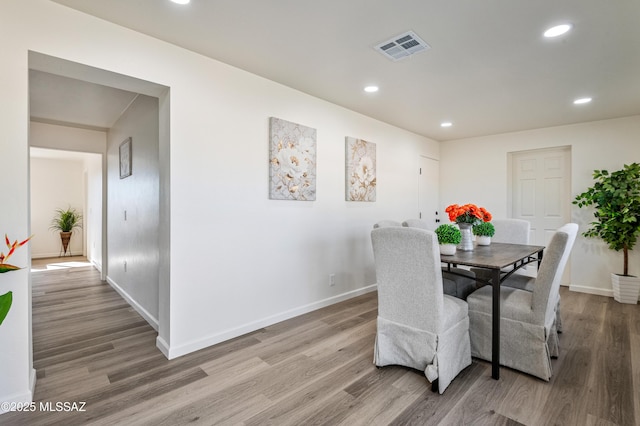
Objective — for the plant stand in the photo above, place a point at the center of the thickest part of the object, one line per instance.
(625, 288)
(65, 237)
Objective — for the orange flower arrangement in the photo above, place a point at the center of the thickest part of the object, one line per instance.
(468, 213)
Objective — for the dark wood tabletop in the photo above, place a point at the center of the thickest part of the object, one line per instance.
(493, 256)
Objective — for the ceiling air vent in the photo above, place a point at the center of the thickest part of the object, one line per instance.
(402, 46)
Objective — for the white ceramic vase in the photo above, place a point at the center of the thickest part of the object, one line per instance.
(466, 244)
(448, 249)
(625, 288)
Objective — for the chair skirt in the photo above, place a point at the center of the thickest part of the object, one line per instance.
(440, 356)
(524, 346)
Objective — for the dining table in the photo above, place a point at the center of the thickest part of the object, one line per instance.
(501, 260)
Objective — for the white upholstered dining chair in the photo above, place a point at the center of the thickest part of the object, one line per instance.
(459, 282)
(512, 231)
(417, 223)
(525, 282)
(528, 338)
(418, 326)
(385, 223)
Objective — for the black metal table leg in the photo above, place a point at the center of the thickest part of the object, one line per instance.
(495, 342)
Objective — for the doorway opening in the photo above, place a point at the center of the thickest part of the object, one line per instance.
(81, 83)
(60, 180)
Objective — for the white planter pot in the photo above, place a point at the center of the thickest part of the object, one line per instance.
(483, 240)
(448, 249)
(625, 289)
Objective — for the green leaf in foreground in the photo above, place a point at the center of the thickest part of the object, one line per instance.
(5, 304)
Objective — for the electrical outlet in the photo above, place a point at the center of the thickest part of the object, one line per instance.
(332, 280)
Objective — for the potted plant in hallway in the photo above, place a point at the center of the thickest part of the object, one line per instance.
(616, 199)
(449, 237)
(65, 221)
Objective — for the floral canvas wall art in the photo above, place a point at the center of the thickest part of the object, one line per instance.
(292, 157)
(360, 170)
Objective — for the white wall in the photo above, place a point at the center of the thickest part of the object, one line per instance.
(16, 366)
(237, 260)
(55, 184)
(607, 144)
(94, 210)
(134, 240)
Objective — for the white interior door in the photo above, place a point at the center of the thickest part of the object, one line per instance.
(541, 192)
(428, 197)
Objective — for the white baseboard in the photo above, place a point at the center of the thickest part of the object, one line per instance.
(56, 254)
(44, 255)
(591, 290)
(163, 346)
(135, 305)
(177, 351)
(32, 382)
(97, 265)
(20, 398)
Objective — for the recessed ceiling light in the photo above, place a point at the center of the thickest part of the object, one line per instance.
(181, 1)
(582, 101)
(558, 30)
(446, 124)
(371, 89)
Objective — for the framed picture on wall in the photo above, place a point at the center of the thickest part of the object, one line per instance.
(360, 170)
(292, 162)
(125, 158)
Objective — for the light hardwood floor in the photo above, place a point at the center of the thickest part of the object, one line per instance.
(91, 347)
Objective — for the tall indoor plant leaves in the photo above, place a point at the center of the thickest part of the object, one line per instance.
(616, 199)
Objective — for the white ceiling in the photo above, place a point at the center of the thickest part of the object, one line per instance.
(489, 70)
(57, 99)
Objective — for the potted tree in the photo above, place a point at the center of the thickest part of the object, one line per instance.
(483, 232)
(616, 199)
(65, 221)
(449, 237)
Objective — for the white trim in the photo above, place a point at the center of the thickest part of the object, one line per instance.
(194, 345)
(20, 398)
(153, 322)
(97, 265)
(591, 290)
(32, 382)
(163, 346)
(52, 255)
